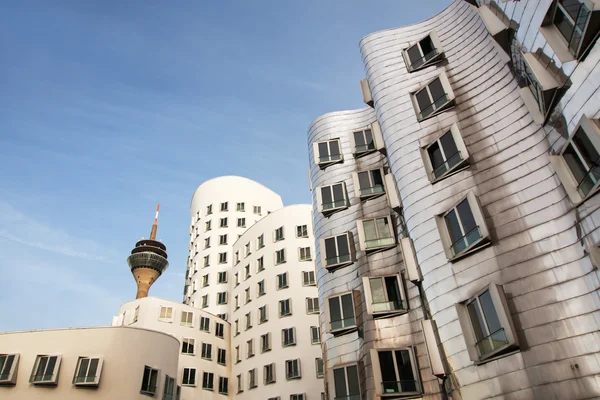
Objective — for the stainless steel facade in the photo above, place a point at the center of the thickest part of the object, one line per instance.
(542, 246)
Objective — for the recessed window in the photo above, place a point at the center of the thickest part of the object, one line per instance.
(315, 335)
(206, 261)
(222, 316)
(187, 319)
(265, 342)
(170, 389)
(297, 396)
(395, 372)
(579, 167)
(207, 226)
(332, 198)
(225, 206)
(149, 380)
(279, 256)
(205, 280)
(258, 210)
(292, 369)
(209, 209)
(260, 264)
(223, 385)
(240, 384)
(222, 356)
(327, 152)
(247, 251)
(463, 227)
(260, 242)
(247, 295)
(369, 184)
(424, 53)
(282, 281)
(319, 367)
(87, 372)
(223, 223)
(241, 222)
(338, 251)
(187, 346)
(219, 330)
(308, 278)
(433, 98)
(304, 254)
(204, 301)
(205, 324)
(446, 154)
(261, 288)
(252, 379)
(486, 324)
(250, 348)
(166, 314)
(247, 274)
(222, 239)
(263, 316)
(340, 313)
(248, 320)
(363, 142)
(241, 207)
(285, 307)
(278, 234)
(540, 93)
(207, 242)
(208, 380)
(376, 234)
(302, 231)
(385, 295)
(222, 277)
(222, 298)
(9, 363)
(312, 305)
(269, 373)
(288, 337)
(207, 351)
(346, 382)
(222, 258)
(237, 257)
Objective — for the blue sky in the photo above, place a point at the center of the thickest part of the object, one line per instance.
(109, 107)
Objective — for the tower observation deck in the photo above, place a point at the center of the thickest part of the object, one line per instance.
(148, 260)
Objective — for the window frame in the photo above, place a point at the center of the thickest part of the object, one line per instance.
(206, 351)
(369, 296)
(224, 206)
(240, 207)
(272, 368)
(377, 371)
(463, 152)
(317, 155)
(223, 382)
(312, 310)
(145, 390)
(302, 231)
(222, 330)
(261, 288)
(165, 318)
(222, 298)
(331, 378)
(208, 384)
(189, 321)
(202, 327)
(289, 307)
(222, 277)
(11, 376)
(351, 248)
(290, 377)
(241, 222)
(309, 282)
(307, 254)
(287, 283)
(280, 256)
(170, 388)
(96, 376)
(451, 102)
(437, 58)
(293, 341)
(344, 329)
(266, 314)
(369, 196)
(322, 374)
(362, 239)
(378, 143)
(221, 360)
(331, 210)
(250, 348)
(223, 258)
(252, 381)
(278, 234)
(193, 346)
(263, 348)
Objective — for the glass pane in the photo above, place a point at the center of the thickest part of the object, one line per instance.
(571, 7)
(339, 379)
(330, 251)
(453, 226)
(377, 292)
(563, 23)
(436, 89)
(388, 372)
(435, 156)
(92, 370)
(466, 217)
(477, 321)
(370, 231)
(577, 168)
(407, 378)
(327, 198)
(449, 146)
(323, 151)
(415, 57)
(359, 140)
(383, 228)
(335, 311)
(427, 46)
(338, 192)
(82, 373)
(334, 149)
(377, 178)
(146, 378)
(352, 372)
(154, 377)
(348, 308)
(363, 180)
(369, 139)
(342, 243)
(50, 367)
(423, 100)
(392, 288)
(586, 148)
(487, 305)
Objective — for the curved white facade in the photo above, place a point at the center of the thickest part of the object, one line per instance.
(515, 298)
(262, 287)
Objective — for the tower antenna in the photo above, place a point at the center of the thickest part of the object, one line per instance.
(155, 224)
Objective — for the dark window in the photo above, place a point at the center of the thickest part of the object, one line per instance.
(462, 227)
(444, 154)
(397, 372)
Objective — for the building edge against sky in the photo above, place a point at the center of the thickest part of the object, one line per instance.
(455, 218)
(169, 350)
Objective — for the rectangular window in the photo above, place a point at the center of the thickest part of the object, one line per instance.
(308, 278)
(292, 369)
(248, 320)
(265, 342)
(205, 324)
(280, 256)
(240, 384)
(9, 363)
(282, 281)
(204, 301)
(337, 251)
(225, 206)
(204, 280)
(207, 226)
(252, 379)
(315, 335)
(260, 264)
(258, 210)
(87, 371)
(288, 337)
(207, 243)
(223, 223)
(169, 391)
(223, 385)
(247, 251)
(222, 356)
(269, 373)
(187, 318)
(247, 295)
(395, 372)
(219, 330)
(262, 314)
(369, 184)
(237, 279)
(285, 307)
(237, 257)
(297, 396)
(433, 98)
(206, 261)
(572, 20)
(384, 295)
(376, 234)
(237, 302)
(261, 288)
(222, 239)
(250, 348)
(241, 222)
(207, 351)
(208, 381)
(237, 327)
(166, 314)
(222, 258)
(327, 152)
(247, 272)
(209, 209)
(341, 312)
(302, 231)
(346, 382)
(332, 198)
(279, 234)
(241, 207)
(222, 298)
(222, 277)
(260, 242)
(445, 155)
(363, 142)
(319, 367)
(237, 354)
(424, 53)
(149, 380)
(312, 305)
(187, 346)
(305, 254)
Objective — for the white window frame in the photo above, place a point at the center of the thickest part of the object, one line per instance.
(301, 231)
(9, 372)
(265, 342)
(247, 297)
(250, 348)
(377, 371)
(293, 334)
(223, 385)
(207, 226)
(241, 222)
(266, 314)
(204, 301)
(186, 342)
(223, 258)
(287, 283)
(189, 319)
(462, 152)
(261, 288)
(224, 206)
(304, 254)
(260, 264)
(202, 324)
(298, 396)
(248, 317)
(260, 242)
(209, 209)
(208, 381)
(320, 372)
(339, 263)
(223, 222)
(170, 389)
(96, 377)
(374, 194)
(592, 130)
(306, 281)
(258, 210)
(280, 256)
(191, 382)
(293, 374)
(222, 277)
(345, 328)
(375, 311)
(314, 329)
(221, 356)
(252, 383)
(331, 378)
(382, 243)
(222, 240)
(334, 208)
(289, 307)
(168, 315)
(477, 213)
(240, 381)
(221, 298)
(311, 302)
(434, 59)
(204, 281)
(442, 107)
(240, 207)
(219, 330)
(279, 234)
(378, 143)
(330, 161)
(504, 317)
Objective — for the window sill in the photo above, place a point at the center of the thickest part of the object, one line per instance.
(557, 43)
(371, 196)
(324, 165)
(379, 249)
(566, 178)
(331, 211)
(532, 105)
(479, 245)
(335, 267)
(343, 331)
(448, 106)
(435, 60)
(500, 353)
(364, 153)
(464, 164)
(388, 314)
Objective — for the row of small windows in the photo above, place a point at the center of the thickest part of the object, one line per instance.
(224, 207)
(187, 319)
(285, 310)
(189, 378)
(188, 347)
(292, 372)
(288, 338)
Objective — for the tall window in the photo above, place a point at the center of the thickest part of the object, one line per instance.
(252, 379)
(207, 351)
(240, 384)
(265, 342)
(209, 209)
(247, 295)
(225, 206)
(263, 316)
(187, 346)
(288, 336)
(247, 272)
(327, 152)
(260, 264)
(261, 288)
(149, 380)
(279, 234)
(206, 261)
(241, 207)
(302, 231)
(187, 318)
(377, 232)
(269, 373)
(260, 242)
(222, 356)
(169, 389)
(398, 371)
(312, 305)
(490, 335)
(445, 154)
(222, 298)
(222, 277)
(87, 371)
(223, 223)
(207, 226)
(219, 330)
(423, 53)
(223, 385)
(280, 256)
(258, 210)
(292, 369)
(207, 242)
(370, 183)
(204, 324)
(346, 383)
(308, 278)
(305, 254)
(433, 98)
(462, 227)
(315, 335)
(332, 197)
(208, 380)
(166, 314)
(205, 280)
(189, 377)
(248, 320)
(319, 367)
(341, 312)
(337, 251)
(222, 258)
(285, 307)
(204, 301)
(282, 281)
(222, 239)
(250, 348)
(571, 20)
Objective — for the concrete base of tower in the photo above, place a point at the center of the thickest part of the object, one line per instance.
(144, 277)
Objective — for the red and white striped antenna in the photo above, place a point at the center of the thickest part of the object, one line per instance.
(155, 224)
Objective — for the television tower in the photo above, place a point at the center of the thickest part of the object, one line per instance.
(148, 260)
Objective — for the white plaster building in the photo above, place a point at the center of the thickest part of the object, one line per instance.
(455, 217)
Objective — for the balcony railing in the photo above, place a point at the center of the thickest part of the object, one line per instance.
(491, 342)
(363, 148)
(342, 258)
(445, 167)
(464, 242)
(420, 61)
(376, 189)
(330, 158)
(381, 242)
(343, 323)
(427, 111)
(394, 305)
(334, 204)
(406, 386)
(85, 379)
